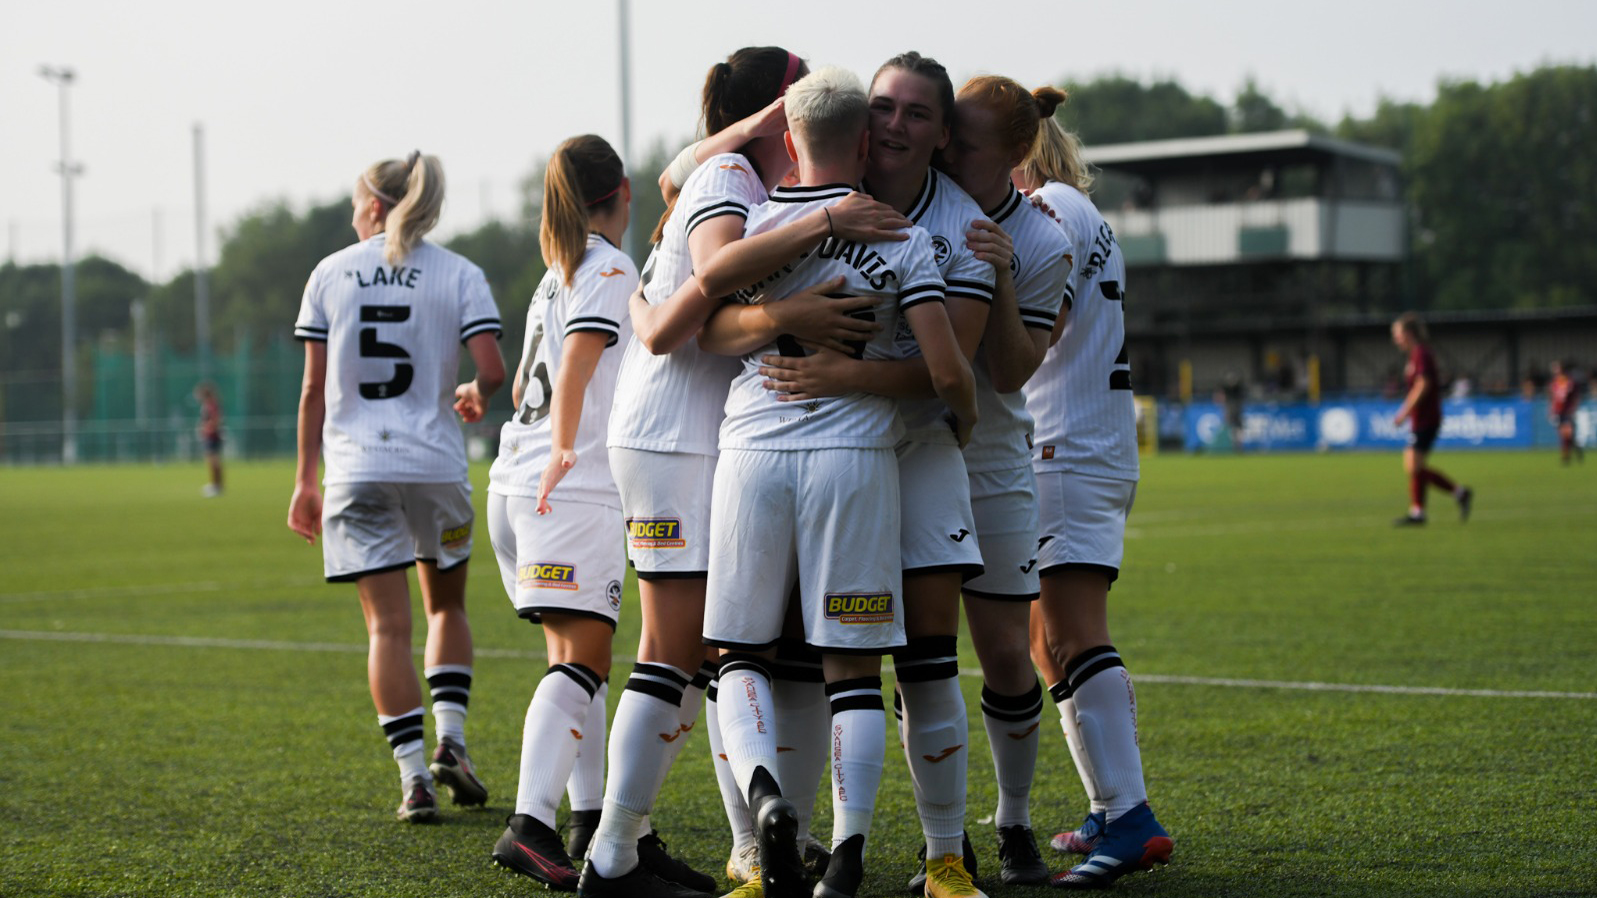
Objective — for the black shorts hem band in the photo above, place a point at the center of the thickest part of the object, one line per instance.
(1113, 573)
(740, 646)
(672, 575)
(1002, 597)
(351, 578)
(852, 650)
(967, 572)
(534, 614)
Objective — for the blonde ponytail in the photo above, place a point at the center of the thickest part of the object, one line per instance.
(583, 176)
(418, 208)
(1056, 156)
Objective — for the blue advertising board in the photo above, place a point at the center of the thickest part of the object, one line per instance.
(1364, 424)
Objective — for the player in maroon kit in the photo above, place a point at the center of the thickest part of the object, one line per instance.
(1422, 408)
(1563, 396)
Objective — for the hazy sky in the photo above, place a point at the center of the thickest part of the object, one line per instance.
(297, 97)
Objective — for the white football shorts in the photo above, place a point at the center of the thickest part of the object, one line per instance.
(666, 500)
(570, 560)
(936, 525)
(1005, 505)
(826, 518)
(1083, 522)
(372, 528)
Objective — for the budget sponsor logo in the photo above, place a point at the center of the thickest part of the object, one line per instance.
(544, 575)
(455, 537)
(655, 533)
(860, 607)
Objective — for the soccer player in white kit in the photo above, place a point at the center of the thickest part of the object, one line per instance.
(998, 122)
(1086, 462)
(383, 322)
(806, 493)
(562, 562)
(663, 439)
(912, 105)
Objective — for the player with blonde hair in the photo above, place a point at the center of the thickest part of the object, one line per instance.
(382, 322)
(1085, 459)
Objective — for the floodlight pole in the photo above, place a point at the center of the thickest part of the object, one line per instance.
(624, 47)
(62, 77)
(202, 286)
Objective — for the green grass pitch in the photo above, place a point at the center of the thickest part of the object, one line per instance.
(186, 705)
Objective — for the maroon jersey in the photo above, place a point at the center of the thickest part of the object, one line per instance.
(1561, 394)
(210, 418)
(1427, 412)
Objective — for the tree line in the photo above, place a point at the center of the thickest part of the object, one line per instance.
(1500, 179)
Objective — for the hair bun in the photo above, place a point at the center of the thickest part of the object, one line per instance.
(1049, 98)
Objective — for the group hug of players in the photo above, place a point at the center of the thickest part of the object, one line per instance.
(875, 370)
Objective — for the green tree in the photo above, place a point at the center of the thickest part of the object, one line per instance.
(266, 257)
(1503, 179)
(1118, 109)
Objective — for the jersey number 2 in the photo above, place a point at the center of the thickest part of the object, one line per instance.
(373, 348)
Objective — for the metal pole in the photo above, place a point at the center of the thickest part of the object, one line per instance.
(623, 18)
(63, 77)
(202, 287)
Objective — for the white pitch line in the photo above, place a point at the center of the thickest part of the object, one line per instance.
(116, 592)
(207, 642)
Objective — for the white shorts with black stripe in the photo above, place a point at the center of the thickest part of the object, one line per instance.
(936, 525)
(568, 561)
(665, 497)
(1005, 505)
(825, 518)
(371, 528)
(1083, 522)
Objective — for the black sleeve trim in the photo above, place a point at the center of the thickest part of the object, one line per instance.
(614, 337)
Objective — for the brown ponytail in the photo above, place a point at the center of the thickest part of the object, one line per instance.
(584, 176)
(747, 82)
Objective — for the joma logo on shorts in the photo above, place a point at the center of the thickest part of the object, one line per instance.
(547, 576)
(860, 608)
(455, 536)
(655, 533)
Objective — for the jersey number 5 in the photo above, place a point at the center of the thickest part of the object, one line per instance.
(373, 348)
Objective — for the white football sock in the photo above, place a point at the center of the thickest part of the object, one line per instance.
(646, 730)
(736, 806)
(405, 737)
(859, 742)
(748, 719)
(585, 788)
(936, 733)
(1011, 722)
(450, 685)
(1106, 715)
(553, 729)
(1067, 724)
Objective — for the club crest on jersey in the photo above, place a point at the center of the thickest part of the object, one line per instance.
(860, 607)
(544, 575)
(940, 250)
(613, 593)
(655, 533)
(1014, 264)
(455, 537)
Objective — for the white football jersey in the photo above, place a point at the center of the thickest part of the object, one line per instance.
(674, 402)
(1081, 395)
(596, 302)
(945, 212)
(1041, 272)
(897, 274)
(393, 335)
